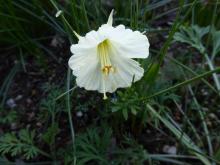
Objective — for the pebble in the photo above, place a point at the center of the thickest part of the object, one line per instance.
(29, 101)
(13, 126)
(204, 92)
(38, 124)
(56, 41)
(19, 97)
(170, 149)
(11, 103)
(79, 114)
(213, 116)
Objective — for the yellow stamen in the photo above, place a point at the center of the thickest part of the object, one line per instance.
(107, 69)
(104, 49)
(104, 56)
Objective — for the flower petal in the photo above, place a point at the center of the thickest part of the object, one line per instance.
(87, 70)
(110, 18)
(90, 78)
(132, 44)
(126, 72)
(86, 67)
(91, 40)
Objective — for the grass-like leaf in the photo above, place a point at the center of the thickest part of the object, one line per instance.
(184, 138)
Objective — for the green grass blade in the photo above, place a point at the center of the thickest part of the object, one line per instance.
(181, 135)
(192, 72)
(7, 82)
(202, 116)
(185, 82)
(154, 67)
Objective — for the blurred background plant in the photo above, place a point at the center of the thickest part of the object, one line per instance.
(171, 116)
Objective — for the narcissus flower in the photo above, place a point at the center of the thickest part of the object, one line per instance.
(102, 60)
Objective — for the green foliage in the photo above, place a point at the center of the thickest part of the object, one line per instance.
(98, 146)
(93, 146)
(217, 155)
(215, 42)
(50, 134)
(152, 72)
(49, 103)
(9, 117)
(23, 144)
(126, 103)
(193, 36)
(133, 153)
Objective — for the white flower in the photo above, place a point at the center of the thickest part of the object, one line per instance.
(103, 61)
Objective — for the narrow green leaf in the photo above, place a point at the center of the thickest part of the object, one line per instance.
(184, 83)
(181, 136)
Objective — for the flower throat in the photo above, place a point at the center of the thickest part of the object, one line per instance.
(104, 56)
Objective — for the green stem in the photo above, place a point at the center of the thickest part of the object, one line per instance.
(184, 83)
(74, 13)
(85, 14)
(43, 153)
(53, 140)
(192, 72)
(199, 140)
(212, 23)
(63, 94)
(211, 66)
(69, 110)
(65, 22)
(202, 116)
(154, 68)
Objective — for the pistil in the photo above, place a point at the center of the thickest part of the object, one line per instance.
(104, 57)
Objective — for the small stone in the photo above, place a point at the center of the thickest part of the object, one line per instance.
(28, 126)
(79, 114)
(209, 123)
(29, 101)
(213, 116)
(170, 149)
(19, 97)
(11, 103)
(13, 126)
(38, 124)
(204, 92)
(30, 116)
(56, 41)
